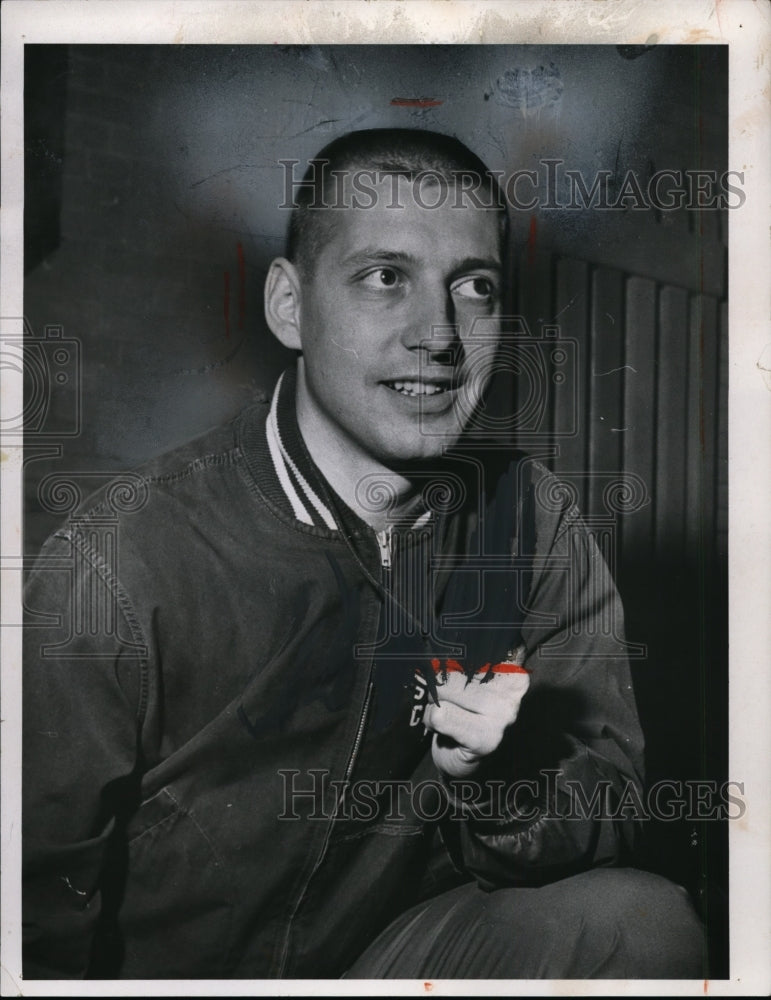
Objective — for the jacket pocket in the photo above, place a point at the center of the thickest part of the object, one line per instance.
(176, 914)
(367, 878)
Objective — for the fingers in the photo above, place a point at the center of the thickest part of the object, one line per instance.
(473, 717)
(454, 761)
(464, 727)
(502, 694)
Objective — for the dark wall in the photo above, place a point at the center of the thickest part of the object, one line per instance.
(170, 185)
(149, 237)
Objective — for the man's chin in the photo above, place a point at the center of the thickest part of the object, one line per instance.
(416, 455)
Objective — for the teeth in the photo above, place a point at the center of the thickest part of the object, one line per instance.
(418, 388)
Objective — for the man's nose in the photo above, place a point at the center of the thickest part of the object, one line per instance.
(432, 325)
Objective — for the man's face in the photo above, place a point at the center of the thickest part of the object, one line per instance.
(390, 369)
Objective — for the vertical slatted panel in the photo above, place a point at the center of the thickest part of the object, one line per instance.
(534, 303)
(606, 380)
(694, 431)
(721, 477)
(707, 425)
(672, 705)
(534, 289)
(705, 626)
(702, 425)
(672, 360)
(652, 359)
(672, 631)
(571, 314)
(639, 416)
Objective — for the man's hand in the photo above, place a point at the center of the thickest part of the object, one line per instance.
(471, 718)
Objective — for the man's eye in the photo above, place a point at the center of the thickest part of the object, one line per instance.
(477, 289)
(381, 277)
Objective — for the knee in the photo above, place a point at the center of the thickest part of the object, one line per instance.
(644, 926)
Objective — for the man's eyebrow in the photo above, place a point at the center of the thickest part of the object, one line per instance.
(377, 255)
(477, 264)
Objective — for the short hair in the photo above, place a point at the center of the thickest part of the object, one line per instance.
(403, 151)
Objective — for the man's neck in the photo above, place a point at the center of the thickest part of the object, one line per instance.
(374, 492)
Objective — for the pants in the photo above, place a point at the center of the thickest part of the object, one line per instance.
(602, 924)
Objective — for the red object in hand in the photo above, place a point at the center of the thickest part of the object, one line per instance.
(505, 667)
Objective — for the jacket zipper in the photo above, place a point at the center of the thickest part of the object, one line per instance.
(323, 852)
(357, 741)
(384, 545)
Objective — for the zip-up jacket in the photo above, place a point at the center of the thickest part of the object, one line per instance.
(225, 771)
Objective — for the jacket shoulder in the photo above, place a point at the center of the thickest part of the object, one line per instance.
(175, 471)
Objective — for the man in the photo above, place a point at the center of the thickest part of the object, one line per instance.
(354, 662)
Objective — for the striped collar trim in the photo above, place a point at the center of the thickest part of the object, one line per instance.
(306, 504)
(296, 471)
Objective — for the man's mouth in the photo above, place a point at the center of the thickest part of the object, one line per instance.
(407, 387)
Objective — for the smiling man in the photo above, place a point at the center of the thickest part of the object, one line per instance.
(381, 315)
(359, 707)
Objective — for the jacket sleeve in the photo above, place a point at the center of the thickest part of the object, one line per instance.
(563, 791)
(84, 696)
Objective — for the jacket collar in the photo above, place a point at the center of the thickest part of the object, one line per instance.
(294, 481)
(293, 466)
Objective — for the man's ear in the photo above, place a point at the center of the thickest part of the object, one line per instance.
(282, 303)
